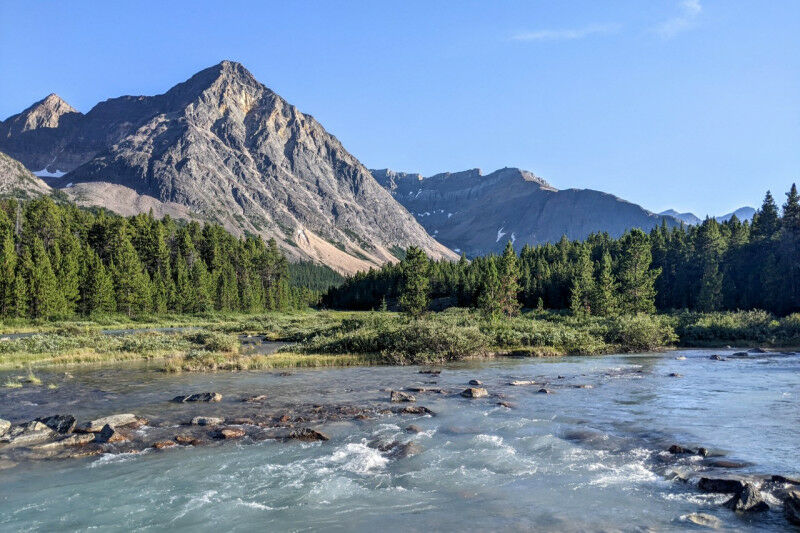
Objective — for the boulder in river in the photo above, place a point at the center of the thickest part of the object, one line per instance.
(199, 397)
(757, 350)
(187, 440)
(5, 425)
(722, 485)
(160, 445)
(59, 423)
(207, 421)
(703, 519)
(739, 354)
(475, 383)
(119, 420)
(255, 399)
(400, 396)
(507, 405)
(413, 429)
(675, 375)
(784, 479)
(432, 372)
(27, 434)
(724, 463)
(109, 435)
(522, 382)
(676, 449)
(791, 507)
(230, 433)
(76, 439)
(416, 410)
(544, 391)
(717, 357)
(747, 501)
(474, 392)
(308, 435)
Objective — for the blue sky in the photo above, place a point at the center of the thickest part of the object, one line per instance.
(690, 104)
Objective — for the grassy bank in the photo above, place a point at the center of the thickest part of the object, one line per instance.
(331, 338)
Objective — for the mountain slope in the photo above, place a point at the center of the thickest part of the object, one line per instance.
(743, 213)
(477, 214)
(223, 147)
(17, 181)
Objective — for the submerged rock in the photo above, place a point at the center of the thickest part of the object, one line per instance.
(119, 420)
(703, 519)
(109, 435)
(474, 392)
(757, 350)
(416, 410)
(199, 397)
(723, 463)
(475, 383)
(59, 423)
(544, 391)
(432, 372)
(748, 501)
(675, 375)
(507, 405)
(722, 485)
(400, 396)
(207, 421)
(413, 429)
(187, 440)
(522, 382)
(255, 399)
(717, 357)
(160, 445)
(308, 435)
(791, 507)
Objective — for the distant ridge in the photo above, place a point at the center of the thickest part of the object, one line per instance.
(743, 213)
(475, 214)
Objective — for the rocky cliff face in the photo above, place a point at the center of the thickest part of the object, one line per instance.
(223, 147)
(17, 181)
(477, 214)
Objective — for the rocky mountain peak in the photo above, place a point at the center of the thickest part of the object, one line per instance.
(45, 113)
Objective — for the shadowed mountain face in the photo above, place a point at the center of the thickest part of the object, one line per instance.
(222, 147)
(477, 214)
(17, 181)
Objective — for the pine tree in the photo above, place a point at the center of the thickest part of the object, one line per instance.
(637, 279)
(582, 284)
(489, 290)
(766, 222)
(131, 282)
(509, 282)
(415, 282)
(97, 288)
(44, 300)
(227, 292)
(8, 266)
(200, 297)
(67, 272)
(605, 300)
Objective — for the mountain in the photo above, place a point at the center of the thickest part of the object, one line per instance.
(743, 213)
(687, 218)
(223, 147)
(18, 181)
(476, 214)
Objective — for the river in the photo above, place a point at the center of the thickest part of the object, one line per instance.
(576, 459)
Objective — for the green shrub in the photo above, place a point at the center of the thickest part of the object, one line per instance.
(640, 332)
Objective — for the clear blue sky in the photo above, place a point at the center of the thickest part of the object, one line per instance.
(691, 104)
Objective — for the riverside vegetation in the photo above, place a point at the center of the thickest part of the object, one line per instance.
(68, 273)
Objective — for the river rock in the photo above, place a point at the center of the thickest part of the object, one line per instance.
(77, 439)
(207, 421)
(748, 501)
(681, 358)
(432, 372)
(5, 425)
(187, 440)
(725, 486)
(522, 382)
(119, 420)
(160, 445)
(784, 479)
(109, 435)
(474, 392)
(717, 357)
(255, 399)
(475, 383)
(703, 519)
(406, 449)
(702, 452)
(679, 450)
(59, 423)
(675, 375)
(507, 405)
(413, 429)
(199, 397)
(545, 391)
(230, 433)
(791, 507)
(308, 435)
(400, 396)
(724, 463)
(739, 354)
(416, 410)
(757, 350)
(27, 436)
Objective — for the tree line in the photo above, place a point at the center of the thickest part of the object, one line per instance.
(59, 260)
(709, 267)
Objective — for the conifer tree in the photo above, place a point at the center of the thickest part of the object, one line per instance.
(97, 289)
(604, 301)
(489, 290)
(637, 279)
(44, 300)
(131, 282)
(509, 282)
(415, 282)
(582, 284)
(766, 222)
(8, 266)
